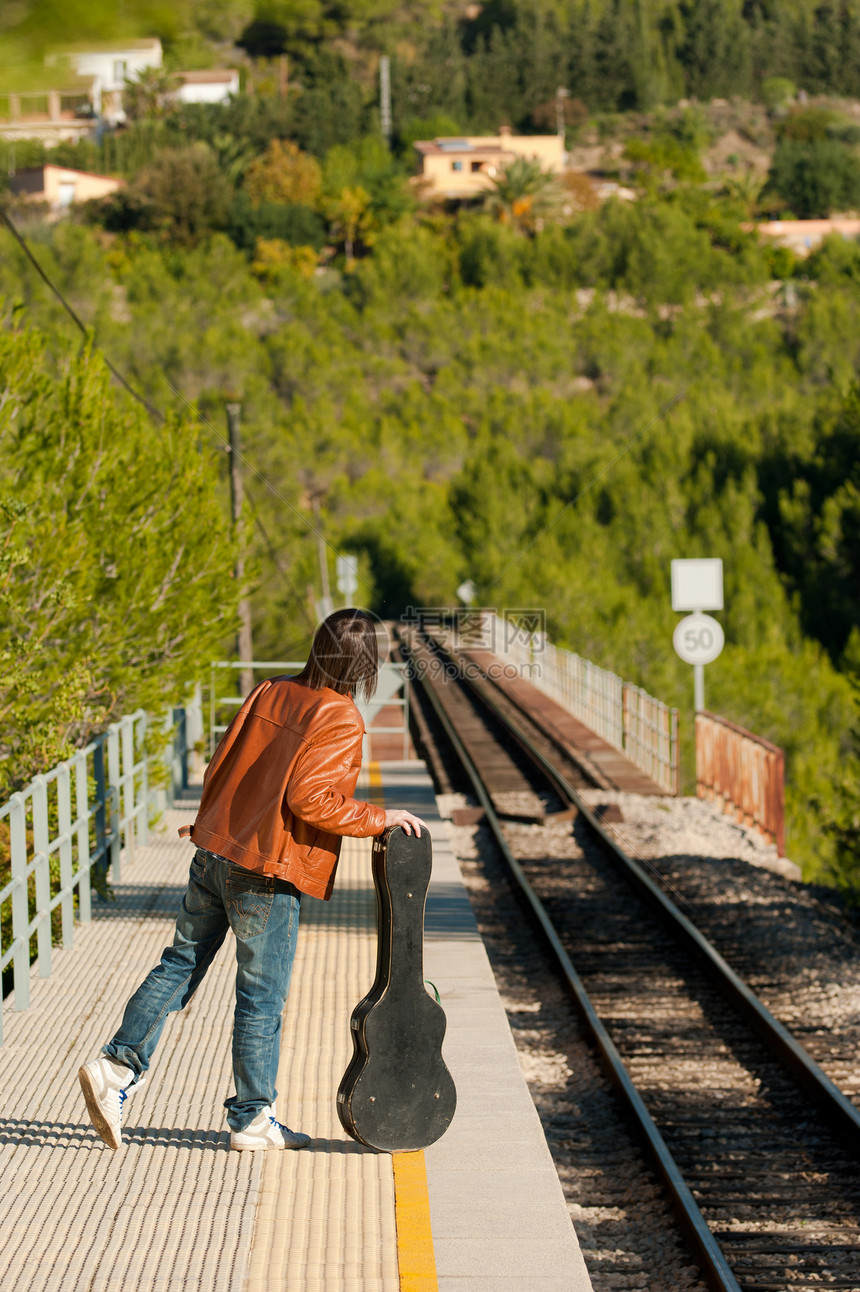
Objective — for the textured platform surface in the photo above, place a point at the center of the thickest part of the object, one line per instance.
(175, 1209)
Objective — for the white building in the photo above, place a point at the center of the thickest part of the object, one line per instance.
(87, 90)
(110, 65)
(62, 114)
(213, 86)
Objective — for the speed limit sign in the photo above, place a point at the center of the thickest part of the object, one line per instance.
(698, 639)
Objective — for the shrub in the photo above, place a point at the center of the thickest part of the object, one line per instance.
(298, 225)
(777, 91)
(407, 264)
(185, 192)
(815, 178)
(274, 258)
(489, 253)
(284, 174)
(117, 556)
(435, 127)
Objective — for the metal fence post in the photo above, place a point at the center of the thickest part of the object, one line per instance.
(64, 824)
(100, 814)
(405, 715)
(212, 741)
(20, 903)
(168, 756)
(82, 812)
(42, 874)
(126, 731)
(179, 766)
(195, 729)
(115, 842)
(142, 816)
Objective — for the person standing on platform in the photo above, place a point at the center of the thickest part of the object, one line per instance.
(277, 798)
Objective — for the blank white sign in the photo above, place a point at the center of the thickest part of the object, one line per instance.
(697, 584)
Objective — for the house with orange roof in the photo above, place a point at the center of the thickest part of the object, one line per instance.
(463, 167)
(60, 186)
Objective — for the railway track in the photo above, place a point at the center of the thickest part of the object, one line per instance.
(756, 1148)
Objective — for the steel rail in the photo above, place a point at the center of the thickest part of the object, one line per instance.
(836, 1107)
(705, 1247)
(578, 758)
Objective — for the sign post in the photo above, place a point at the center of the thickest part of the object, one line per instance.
(697, 585)
(346, 569)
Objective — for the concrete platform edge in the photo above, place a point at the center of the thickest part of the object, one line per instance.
(496, 1204)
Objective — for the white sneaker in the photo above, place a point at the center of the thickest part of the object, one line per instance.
(265, 1131)
(106, 1086)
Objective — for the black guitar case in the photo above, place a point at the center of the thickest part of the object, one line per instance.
(397, 1094)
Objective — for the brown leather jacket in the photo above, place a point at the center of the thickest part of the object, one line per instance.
(277, 795)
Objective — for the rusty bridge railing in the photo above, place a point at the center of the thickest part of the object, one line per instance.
(742, 772)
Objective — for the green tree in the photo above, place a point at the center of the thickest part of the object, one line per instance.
(715, 50)
(816, 507)
(115, 556)
(296, 20)
(149, 94)
(830, 59)
(185, 194)
(298, 225)
(815, 179)
(662, 155)
(435, 127)
(285, 175)
(351, 218)
(522, 194)
(368, 164)
(777, 91)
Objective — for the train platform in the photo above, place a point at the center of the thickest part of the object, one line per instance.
(174, 1208)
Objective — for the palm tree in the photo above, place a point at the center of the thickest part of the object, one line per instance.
(522, 193)
(746, 189)
(149, 93)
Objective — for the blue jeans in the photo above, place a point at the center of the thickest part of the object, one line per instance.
(263, 913)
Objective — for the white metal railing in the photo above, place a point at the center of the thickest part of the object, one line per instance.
(73, 820)
(219, 668)
(392, 691)
(628, 718)
(651, 737)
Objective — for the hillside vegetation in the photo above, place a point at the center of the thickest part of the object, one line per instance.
(436, 389)
(505, 56)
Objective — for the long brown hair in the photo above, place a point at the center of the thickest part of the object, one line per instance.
(344, 655)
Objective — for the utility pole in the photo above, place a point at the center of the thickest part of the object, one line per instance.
(385, 97)
(244, 642)
(560, 95)
(326, 605)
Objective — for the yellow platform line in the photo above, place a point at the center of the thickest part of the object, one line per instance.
(374, 776)
(416, 1259)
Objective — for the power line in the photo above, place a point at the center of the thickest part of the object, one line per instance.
(276, 560)
(151, 408)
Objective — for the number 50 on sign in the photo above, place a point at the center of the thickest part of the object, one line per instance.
(698, 639)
